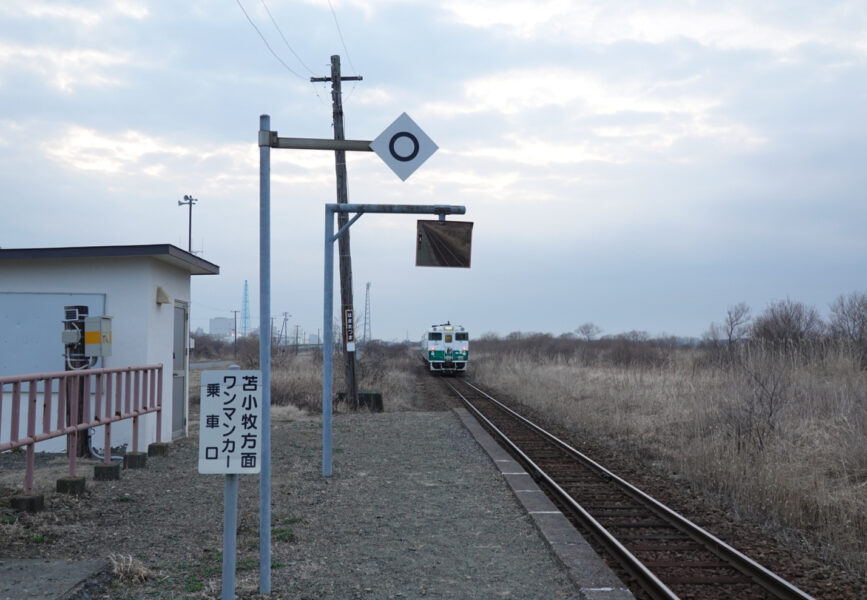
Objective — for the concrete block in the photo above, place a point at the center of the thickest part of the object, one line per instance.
(34, 503)
(71, 485)
(135, 460)
(107, 472)
(159, 449)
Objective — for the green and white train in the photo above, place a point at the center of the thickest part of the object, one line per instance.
(445, 348)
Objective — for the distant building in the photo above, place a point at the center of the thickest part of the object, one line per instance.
(313, 338)
(221, 326)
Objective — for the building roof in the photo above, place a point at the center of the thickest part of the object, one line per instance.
(166, 253)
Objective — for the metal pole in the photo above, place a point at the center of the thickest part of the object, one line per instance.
(265, 356)
(327, 341)
(230, 529)
(328, 295)
(189, 201)
(190, 229)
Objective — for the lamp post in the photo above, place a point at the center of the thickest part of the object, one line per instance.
(189, 200)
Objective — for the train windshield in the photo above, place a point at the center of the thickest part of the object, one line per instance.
(462, 337)
(434, 336)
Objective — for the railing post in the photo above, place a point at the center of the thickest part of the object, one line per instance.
(152, 378)
(107, 414)
(61, 402)
(136, 401)
(46, 404)
(72, 438)
(85, 401)
(159, 404)
(16, 411)
(31, 447)
(127, 391)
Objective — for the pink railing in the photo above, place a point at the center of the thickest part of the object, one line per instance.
(117, 394)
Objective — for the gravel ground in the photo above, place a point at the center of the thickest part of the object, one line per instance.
(414, 509)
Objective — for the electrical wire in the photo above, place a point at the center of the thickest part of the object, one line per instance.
(267, 45)
(340, 34)
(345, 49)
(280, 31)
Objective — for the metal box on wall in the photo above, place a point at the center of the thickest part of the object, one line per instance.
(97, 336)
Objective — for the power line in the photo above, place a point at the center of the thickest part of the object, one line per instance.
(288, 45)
(267, 45)
(340, 34)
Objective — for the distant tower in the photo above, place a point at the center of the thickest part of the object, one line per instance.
(365, 336)
(245, 310)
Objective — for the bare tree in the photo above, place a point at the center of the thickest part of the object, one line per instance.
(737, 323)
(733, 329)
(849, 320)
(787, 321)
(588, 331)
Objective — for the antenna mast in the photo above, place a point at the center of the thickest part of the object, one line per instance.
(366, 330)
(245, 311)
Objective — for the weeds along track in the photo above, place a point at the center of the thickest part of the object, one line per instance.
(659, 553)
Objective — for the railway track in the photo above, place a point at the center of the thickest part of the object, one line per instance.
(664, 555)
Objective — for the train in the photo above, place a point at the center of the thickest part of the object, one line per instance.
(445, 349)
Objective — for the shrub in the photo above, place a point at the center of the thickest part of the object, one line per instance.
(788, 323)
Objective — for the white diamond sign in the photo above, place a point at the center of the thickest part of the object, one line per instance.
(403, 146)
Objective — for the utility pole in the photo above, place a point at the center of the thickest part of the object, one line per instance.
(342, 218)
(235, 312)
(283, 336)
(189, 200)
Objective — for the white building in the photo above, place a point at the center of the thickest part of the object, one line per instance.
(144, 289)
(221, 326)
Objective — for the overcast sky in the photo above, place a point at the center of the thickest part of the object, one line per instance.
(642, 165)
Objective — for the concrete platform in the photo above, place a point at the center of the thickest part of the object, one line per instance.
(593, 578)
(413, 508)
(37, 579)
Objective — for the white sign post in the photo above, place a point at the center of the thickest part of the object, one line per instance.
(230, 442)
(403, 146)
(230, 428)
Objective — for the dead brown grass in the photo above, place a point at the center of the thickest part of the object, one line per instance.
(779, 437)
(127, 569)
(296, 379)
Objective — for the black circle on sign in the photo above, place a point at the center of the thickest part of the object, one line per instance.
(396, 137)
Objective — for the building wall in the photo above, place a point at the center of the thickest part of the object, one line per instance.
(221, 326)
(142, 330)
(30, 327)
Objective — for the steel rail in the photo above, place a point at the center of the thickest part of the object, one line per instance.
(756, 572)
(646, 578)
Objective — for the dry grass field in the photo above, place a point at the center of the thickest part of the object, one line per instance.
(780, 437)
(296, 378)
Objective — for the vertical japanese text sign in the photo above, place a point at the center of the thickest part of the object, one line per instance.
(230, 422)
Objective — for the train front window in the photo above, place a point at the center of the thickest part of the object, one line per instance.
(434, 336)
(448, 338)
(462, 337)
